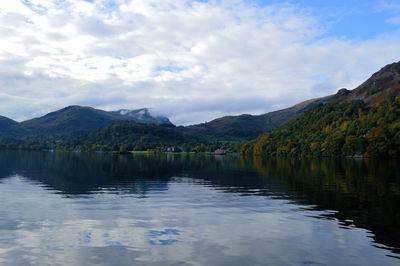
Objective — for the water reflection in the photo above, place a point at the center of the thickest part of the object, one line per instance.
(132, 206)
(364, 193)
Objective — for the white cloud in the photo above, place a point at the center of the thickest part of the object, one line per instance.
(191, 60)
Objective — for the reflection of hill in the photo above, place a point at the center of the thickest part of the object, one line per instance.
(72, 173)
(364, 194)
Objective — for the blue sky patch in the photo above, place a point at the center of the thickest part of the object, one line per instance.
(173, 69)
(352, 19)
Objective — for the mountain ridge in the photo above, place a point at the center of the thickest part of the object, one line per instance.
(246, 125)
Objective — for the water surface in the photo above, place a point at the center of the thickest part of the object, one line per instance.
(80, 209)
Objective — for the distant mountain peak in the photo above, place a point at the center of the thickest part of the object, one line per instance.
(127, 112)
(143, 115)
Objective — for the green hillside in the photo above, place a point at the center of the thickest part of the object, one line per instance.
(350, 129)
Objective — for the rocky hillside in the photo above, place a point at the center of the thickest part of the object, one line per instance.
(373, 91)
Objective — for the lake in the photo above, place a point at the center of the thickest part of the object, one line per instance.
(103, 209)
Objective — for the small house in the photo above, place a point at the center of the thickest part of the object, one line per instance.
(220, 152)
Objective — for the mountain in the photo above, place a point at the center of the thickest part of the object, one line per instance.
(76, 120)
(142, 116)
(246, 127)
(364, 122)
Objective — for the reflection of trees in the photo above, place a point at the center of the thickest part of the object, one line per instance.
(7, 164)
(366, 191)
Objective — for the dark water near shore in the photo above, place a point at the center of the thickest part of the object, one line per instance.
(82, 209)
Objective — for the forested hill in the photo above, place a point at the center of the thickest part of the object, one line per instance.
(363, 122)
(135, 136)
(336, 129)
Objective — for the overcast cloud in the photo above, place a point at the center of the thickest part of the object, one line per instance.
(193, 61)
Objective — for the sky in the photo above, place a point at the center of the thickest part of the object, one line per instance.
(192, 61)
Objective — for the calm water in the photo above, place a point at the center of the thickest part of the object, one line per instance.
(81, 209)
